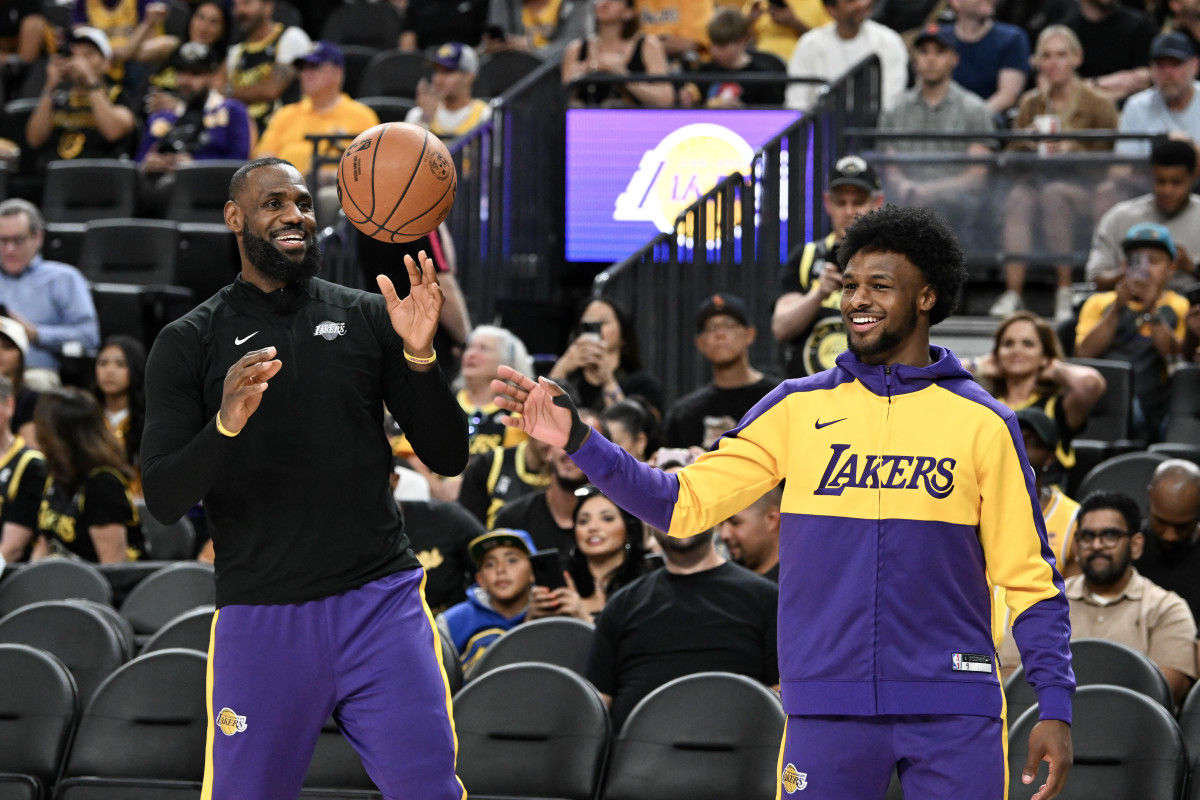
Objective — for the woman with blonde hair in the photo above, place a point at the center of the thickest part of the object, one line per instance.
(1061, 102)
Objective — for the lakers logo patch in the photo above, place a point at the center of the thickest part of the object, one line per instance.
(230, 723)
(793, 781)
(330, 330)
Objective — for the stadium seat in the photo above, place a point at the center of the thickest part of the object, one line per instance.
(1189, 726)
(166, 594)
(376, 25)
(1097, 661)
(531, 730)
(394, 72)
(130, 250)
(1183, 414)
(53, 579)
(1129, 473)
(143, 736)
(1188, 452)
(89, 189)
(38, 709)
(451, 663)
(562, 641)
(119, 624)
(712, 734)
(336, 766)
(1111, 419)
(499, 72)
(64, 241)
(207, 259)
(190, 630)
(389, 109)
(81, 637)
(1127, 747)
(200, 191)
(173, 542)
(357, 57)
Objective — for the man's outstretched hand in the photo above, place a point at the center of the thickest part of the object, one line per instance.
(1050, 740)
(533, 408)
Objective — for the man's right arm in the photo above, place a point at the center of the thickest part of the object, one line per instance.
(182, 450)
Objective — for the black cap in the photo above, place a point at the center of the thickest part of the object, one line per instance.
(194, 57)
(1042, 426)
(854, 171)
(1172, 45)
(935, 33)
(727, 304)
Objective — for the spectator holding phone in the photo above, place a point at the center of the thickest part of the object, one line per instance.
(1140, 322)
(602, 364)
(499, 598)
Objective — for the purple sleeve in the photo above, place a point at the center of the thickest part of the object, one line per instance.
(1043, 635)
(648, 493)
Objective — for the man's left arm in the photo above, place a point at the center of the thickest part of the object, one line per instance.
(77, 319)
(1013, 535)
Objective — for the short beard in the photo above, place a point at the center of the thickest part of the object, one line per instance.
(267, 259)
(1109, 576)
(886, 341)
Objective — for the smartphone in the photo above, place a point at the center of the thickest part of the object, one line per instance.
(1139, 265)
(590, 330)
(547, 570)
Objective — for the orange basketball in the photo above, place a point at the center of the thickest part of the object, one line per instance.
(396, 182)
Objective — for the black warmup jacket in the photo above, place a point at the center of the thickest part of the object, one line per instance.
(299, 500)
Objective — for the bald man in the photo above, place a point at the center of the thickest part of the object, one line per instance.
(1171, 558)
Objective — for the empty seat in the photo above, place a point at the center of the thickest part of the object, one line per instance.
(531, 730)
(499, 72)
(451, 663)
(82, 638)
(376, 25)
(173, 542)
(191, 630)
(1183, 414)
(89, 189)
(389, 109)
(1097, 661)
(200, 191)
(130, 250)
(166, 594)
(335, 764)
(712, 734)
(1111, 419)
(1127, 747)
(357, 57)
(1129, 473)
(562, 641)
(206, 260)
(38, 709)
(53, 579)
(144, 733)
(64, 241)
(394, 72)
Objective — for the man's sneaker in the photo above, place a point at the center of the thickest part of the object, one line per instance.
(1006, 304)
(1063, 305)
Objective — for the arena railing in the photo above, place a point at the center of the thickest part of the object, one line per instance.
(735, 236)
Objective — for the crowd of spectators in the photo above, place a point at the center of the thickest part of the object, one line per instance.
(237, 82)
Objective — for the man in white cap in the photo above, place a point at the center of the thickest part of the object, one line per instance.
(445, 104)
(81, 113)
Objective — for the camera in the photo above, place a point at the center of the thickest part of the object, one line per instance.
(183, 138)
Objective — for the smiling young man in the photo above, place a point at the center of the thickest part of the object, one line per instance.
(906, 497)
(311, 555)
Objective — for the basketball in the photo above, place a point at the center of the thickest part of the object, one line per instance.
(396, 182)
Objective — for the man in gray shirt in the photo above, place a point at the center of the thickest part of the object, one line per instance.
(1169, 106)
(1171, 204)
(937, 104)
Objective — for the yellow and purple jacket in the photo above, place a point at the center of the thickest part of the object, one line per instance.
(907, 498)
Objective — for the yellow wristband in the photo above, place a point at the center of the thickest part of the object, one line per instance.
(410, 357)
(225, 431)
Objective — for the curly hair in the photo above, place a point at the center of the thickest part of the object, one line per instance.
(921, 236)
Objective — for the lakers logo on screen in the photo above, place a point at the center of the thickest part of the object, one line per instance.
(684, 165)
